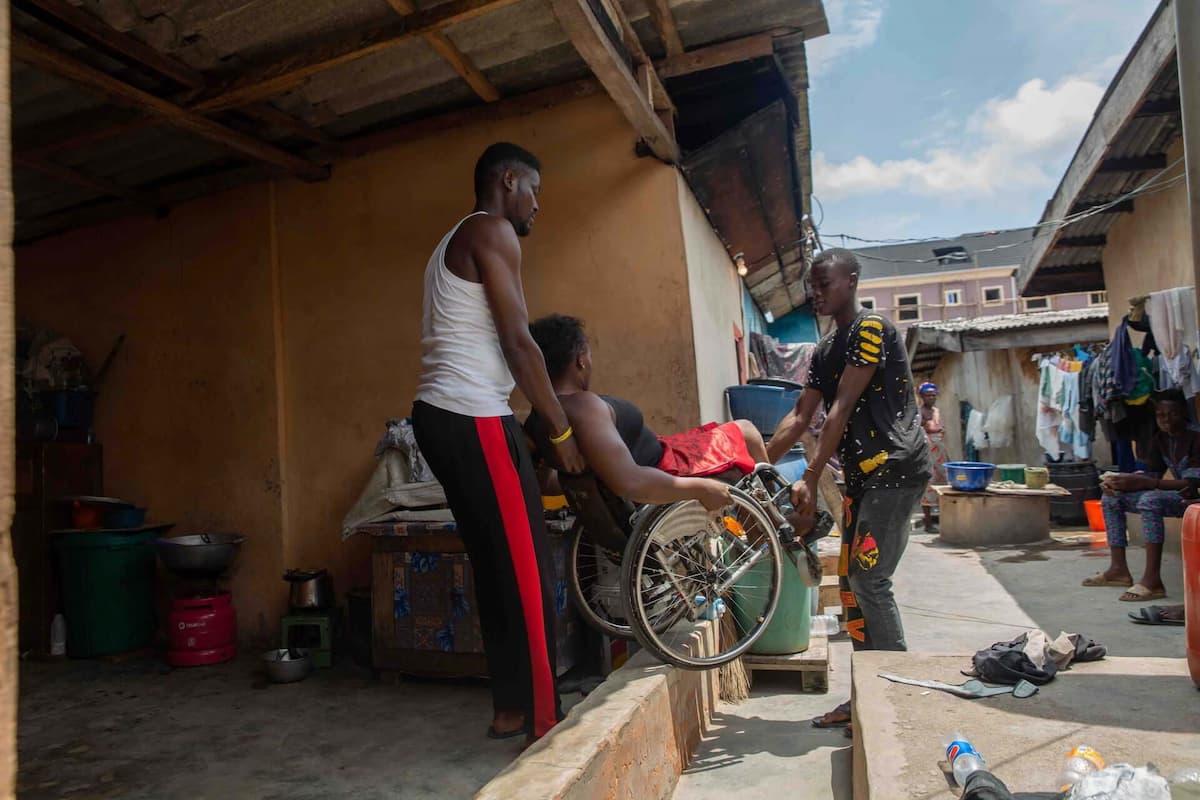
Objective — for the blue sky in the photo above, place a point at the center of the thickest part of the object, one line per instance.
(940, 117)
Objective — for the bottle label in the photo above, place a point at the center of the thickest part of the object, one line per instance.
(1088, 754)
(960, 747)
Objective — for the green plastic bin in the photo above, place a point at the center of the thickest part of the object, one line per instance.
(108, 591)
(788, 630)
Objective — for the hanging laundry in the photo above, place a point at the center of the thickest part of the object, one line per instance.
(1173, 324)
(1124, 367)
(999, 424)
(1049, 413)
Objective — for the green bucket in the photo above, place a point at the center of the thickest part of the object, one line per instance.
(788, 630)
(108, 591)
(1012, 472)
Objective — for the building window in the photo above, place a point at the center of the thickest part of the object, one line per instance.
(908, 307)
(993, 295)
(1036, 303)
(1098, 298)
(954, 297)
(867, 302)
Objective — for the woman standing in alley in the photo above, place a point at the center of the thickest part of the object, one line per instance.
(931, 422)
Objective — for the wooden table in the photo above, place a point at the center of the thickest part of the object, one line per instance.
(999, 515)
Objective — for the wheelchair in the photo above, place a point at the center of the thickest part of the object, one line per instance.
(654, 573)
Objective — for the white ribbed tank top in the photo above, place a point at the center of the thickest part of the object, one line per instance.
(462, 366)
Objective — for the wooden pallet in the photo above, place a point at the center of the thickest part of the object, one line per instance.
(829, 595)
(812, 664)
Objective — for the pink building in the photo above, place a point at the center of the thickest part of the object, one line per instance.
(971, 276)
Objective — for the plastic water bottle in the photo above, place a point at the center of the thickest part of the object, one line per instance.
(824, 625)
(963, 759)
(58, 636)
(1081, 761)
(713, 610)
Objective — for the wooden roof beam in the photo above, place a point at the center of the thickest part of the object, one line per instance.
(98, 185)
(647, 75)
(1123, 207)
(578, 19)
(1080, 241)
(1134, 163)
(664, 22)
(457, 59)
(90, 29)
(292, 71)
(41, 56)
(718, 55)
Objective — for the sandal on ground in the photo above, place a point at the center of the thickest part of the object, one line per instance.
(492, 733)
(824, 720)
(1152, 615)
(1099, 580)
(1140, 594)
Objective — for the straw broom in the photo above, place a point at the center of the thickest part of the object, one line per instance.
(733, 678)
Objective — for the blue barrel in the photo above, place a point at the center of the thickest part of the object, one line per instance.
(764, 406)
(793, 464)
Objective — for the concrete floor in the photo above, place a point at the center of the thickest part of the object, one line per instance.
(136, 730)
(954, 601)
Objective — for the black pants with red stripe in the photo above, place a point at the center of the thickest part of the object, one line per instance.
(487, 472)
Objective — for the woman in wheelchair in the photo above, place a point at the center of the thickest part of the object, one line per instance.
(625, 455)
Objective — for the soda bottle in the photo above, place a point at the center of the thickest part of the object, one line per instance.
(1081, 761)
(963, 759)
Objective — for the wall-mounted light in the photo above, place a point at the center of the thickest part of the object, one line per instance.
(769, 317)
(740, 260)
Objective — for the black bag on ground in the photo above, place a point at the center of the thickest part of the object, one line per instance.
(1006, 663)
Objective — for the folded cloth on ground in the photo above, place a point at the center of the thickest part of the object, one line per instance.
(1034, 657)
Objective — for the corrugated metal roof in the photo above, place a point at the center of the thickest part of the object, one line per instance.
(519, 48)
(1144, 99)
(1015, 322)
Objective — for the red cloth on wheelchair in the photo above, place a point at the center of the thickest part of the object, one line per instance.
(709, 450)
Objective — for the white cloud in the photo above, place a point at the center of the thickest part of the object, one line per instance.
(853, 25)
(1037, 117)
(1008, 142)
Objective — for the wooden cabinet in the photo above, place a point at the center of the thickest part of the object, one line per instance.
(46, 471)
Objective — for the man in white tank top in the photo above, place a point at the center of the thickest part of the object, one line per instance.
(475, 345)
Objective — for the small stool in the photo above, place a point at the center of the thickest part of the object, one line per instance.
(311, 631)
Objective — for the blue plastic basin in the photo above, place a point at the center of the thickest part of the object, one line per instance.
(764, 406)
(969, 476)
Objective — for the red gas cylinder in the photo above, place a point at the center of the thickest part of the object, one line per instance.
(1191, 587)
(201, 630)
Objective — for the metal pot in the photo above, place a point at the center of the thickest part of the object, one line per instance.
(205, 555)
(287, 666)
(309, 588)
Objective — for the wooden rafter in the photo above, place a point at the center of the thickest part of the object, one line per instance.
(664, 23)
(83, 180)
(587, 34)
(717, 55)
(648, 76)
(87, 27)
(457, 59)
(289, 73)
(46, 58)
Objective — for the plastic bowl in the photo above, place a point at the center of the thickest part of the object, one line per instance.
(969, 476)
(124, 518)
(282, 668)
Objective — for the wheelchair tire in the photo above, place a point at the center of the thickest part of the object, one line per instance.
(660, 588)
(594, 581)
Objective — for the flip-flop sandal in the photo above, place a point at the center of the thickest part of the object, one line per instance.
(819, 722)
(1152, 615)
(1140, 594)
(492, 733)
(1099, 580)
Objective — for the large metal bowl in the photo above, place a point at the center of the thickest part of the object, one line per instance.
(203, 555)
(282, 668)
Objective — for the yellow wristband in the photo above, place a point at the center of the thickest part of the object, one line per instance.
(567, 434)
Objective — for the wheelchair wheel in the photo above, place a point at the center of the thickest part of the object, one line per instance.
(683, 554)
(595, 584)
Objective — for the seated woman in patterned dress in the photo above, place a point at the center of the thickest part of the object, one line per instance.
(1165, 489)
